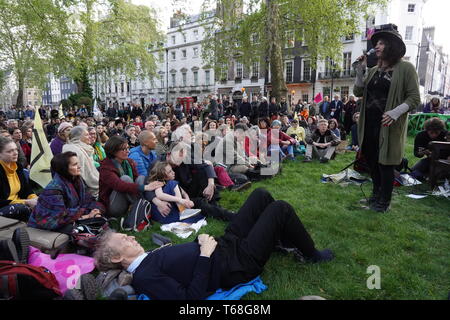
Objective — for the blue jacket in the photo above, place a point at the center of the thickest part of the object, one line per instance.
(143, 162)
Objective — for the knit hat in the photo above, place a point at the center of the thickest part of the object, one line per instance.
(276, 123)
(63, 126)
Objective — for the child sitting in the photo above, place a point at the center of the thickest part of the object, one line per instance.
(171, 192)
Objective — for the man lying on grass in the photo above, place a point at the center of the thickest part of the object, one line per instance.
(196, 269)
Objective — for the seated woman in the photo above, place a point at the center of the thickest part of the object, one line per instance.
(333, 126)
(80, 143)
(162, 146)
(16, 197)
(26, 142)
(120, 184)
(99, 152)
(102, 134)
(65, 199)
(282, 142)
(162, 172)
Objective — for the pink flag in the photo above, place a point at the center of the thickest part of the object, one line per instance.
(318, 97)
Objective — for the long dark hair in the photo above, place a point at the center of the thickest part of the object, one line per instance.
(392, 52)
(60, 165)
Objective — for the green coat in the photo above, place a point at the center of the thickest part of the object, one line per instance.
(404, 89)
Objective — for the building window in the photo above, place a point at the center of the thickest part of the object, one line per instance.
(121, 87)
(184, 78)
(409, 33)
(350, 37)
(207, 77)
(306, 70)
(183, 52)
(305, 97)
(184, 38)
(239, 70)
(196, 34)
(224, 72)
(174, 55)
(128, 87)
(411, 7)
(326, 91)
(115, 87)
(195, 52)
(173, 39)
(289, 71)
(161, 56)
(329, 64)
(174, 79)
(255, 70)
(290, 40)
(195, 78)
(347, 63)
(162, 80)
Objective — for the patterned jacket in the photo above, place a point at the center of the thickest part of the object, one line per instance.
(62, 203)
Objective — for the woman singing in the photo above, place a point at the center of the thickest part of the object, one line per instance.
(389, 91)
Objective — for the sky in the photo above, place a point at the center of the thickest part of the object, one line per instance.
(436, 13)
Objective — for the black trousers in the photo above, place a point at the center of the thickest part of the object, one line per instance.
(382, 175)
(250, 238)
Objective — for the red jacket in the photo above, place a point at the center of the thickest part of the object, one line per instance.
(281, 137)
(110, 181)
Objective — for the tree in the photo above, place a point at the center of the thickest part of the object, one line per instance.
(267, 25)
(108, 36)
(28, 32)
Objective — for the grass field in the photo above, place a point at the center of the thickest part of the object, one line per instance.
(410, 244)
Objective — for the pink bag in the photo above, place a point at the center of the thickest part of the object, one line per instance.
(222, 176)
(67, 268)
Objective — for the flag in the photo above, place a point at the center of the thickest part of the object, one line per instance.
(97, 113)
(295, 116)
(41, 155)
(60, 112)
(318, 98)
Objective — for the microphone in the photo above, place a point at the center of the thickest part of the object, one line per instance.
(368, 53)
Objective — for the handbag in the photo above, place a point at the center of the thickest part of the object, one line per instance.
(138, 219)
(87, 231)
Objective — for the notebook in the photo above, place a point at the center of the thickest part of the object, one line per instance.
(187, 213)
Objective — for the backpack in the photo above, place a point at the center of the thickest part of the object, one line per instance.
(138, 219)
(26, 282)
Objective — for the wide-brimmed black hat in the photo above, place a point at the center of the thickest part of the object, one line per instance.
(393, 35)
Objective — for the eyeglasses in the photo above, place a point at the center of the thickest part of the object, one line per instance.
(124, 149)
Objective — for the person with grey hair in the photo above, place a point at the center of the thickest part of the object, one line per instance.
(191, 271)
(80, 143)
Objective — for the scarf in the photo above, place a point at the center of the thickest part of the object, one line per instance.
(99, 152)
(124, 168)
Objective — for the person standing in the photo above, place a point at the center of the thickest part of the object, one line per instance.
(389, 91)
(325, 108)
(349, 111)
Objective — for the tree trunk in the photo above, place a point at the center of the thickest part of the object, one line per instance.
(21, 81)
(275, 51)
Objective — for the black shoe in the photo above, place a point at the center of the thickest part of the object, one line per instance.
(324, 160)
(380, 206)
(118, 294)
(307, 159)
(321, 256)
(8, 251)
(22, 242)
(89, 286)
(371, 201)
(73, 294)
(220, 188)
(242, 186)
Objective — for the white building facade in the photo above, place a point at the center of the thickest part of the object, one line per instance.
(180, 71)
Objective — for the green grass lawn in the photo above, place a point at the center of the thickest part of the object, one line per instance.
(410, 244)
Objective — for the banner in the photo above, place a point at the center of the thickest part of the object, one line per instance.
(60, 112)
(41, 155)
(97, 113)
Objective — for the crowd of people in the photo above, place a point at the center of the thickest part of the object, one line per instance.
(175, 158)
